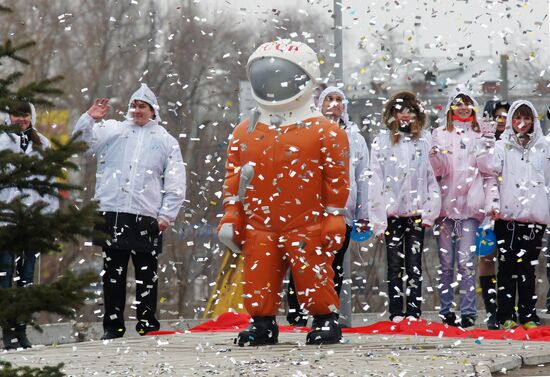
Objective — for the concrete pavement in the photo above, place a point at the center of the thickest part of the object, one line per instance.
(214, 354)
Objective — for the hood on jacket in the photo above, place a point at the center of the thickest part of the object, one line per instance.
(329, 90)
(509, 134)
(7, 120)
(462, 90)
(145, 94)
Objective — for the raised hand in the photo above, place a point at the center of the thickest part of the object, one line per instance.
(488, 127)
(99, 109)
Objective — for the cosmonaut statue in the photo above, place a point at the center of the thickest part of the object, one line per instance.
(285, 193)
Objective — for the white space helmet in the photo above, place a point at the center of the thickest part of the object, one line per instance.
(283, 74)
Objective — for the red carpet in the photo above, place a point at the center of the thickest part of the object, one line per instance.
(233, 322)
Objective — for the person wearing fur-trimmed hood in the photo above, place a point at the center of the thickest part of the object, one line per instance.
(140, 186)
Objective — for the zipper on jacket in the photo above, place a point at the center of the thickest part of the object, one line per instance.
(133, 166)
(115, 227)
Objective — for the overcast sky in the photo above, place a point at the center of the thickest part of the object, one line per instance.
(444, 28)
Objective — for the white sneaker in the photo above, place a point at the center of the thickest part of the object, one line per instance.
(397, 319)
(412, 318)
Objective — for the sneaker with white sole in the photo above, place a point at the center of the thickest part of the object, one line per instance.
(397, 319)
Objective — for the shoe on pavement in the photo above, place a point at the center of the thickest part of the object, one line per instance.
(450, 319)
(510, 325)
(262, 331)
(325, 330)
(530, 325)
(397, 318)
(467, 321)
(113, 334)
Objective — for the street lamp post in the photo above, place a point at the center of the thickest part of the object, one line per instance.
(345, 291)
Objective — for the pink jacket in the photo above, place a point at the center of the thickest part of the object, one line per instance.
(465, 191)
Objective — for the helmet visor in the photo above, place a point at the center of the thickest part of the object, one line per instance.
(275, 79)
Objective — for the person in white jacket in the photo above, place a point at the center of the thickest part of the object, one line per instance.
(466, 197)
(140, 186)
(26, 140)
(333, 104)
(403, 199)
(521, 160)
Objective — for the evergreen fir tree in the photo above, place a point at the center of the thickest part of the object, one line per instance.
(25, 227)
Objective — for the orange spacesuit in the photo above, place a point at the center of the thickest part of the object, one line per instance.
(298, 172)
(284, 196)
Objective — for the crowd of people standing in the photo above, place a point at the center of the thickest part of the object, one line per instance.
(475, 169)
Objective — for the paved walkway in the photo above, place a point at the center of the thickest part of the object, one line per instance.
(214, 354)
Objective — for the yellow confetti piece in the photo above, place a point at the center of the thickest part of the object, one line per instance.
(321, 61)
(163, 300)
(213, 202)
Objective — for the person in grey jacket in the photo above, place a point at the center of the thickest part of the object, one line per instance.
(140, 186)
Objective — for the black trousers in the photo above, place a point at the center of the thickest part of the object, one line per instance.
(518, 245)
(115, 265)
(294, 311)
(404, 245)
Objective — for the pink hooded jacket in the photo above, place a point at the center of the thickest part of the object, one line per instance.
(465, 191)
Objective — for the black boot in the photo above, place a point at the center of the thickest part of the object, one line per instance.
(21, 335)
(489, 293)
(325, 330)
(9, 339)
(113, 333)
(262, 330)
(450, 319)
(298, 319)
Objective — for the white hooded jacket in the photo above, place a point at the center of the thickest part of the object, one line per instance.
(357, 203)
(12, 142)
(403, 183)
(139, 168)
(465, 192)
(523, 172)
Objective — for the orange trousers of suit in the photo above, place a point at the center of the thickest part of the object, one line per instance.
(268, 255)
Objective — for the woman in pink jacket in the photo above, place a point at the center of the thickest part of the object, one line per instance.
(466, 196)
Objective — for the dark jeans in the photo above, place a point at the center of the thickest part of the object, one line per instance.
(115, 265)
(519, 245)
(294, 310)
(24, 268)
(404, 245)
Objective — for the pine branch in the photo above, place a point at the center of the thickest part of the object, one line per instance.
(8, 50)
(33, 228)
(42, 172)
(44, 87)
(6, 370)
(61, 297)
